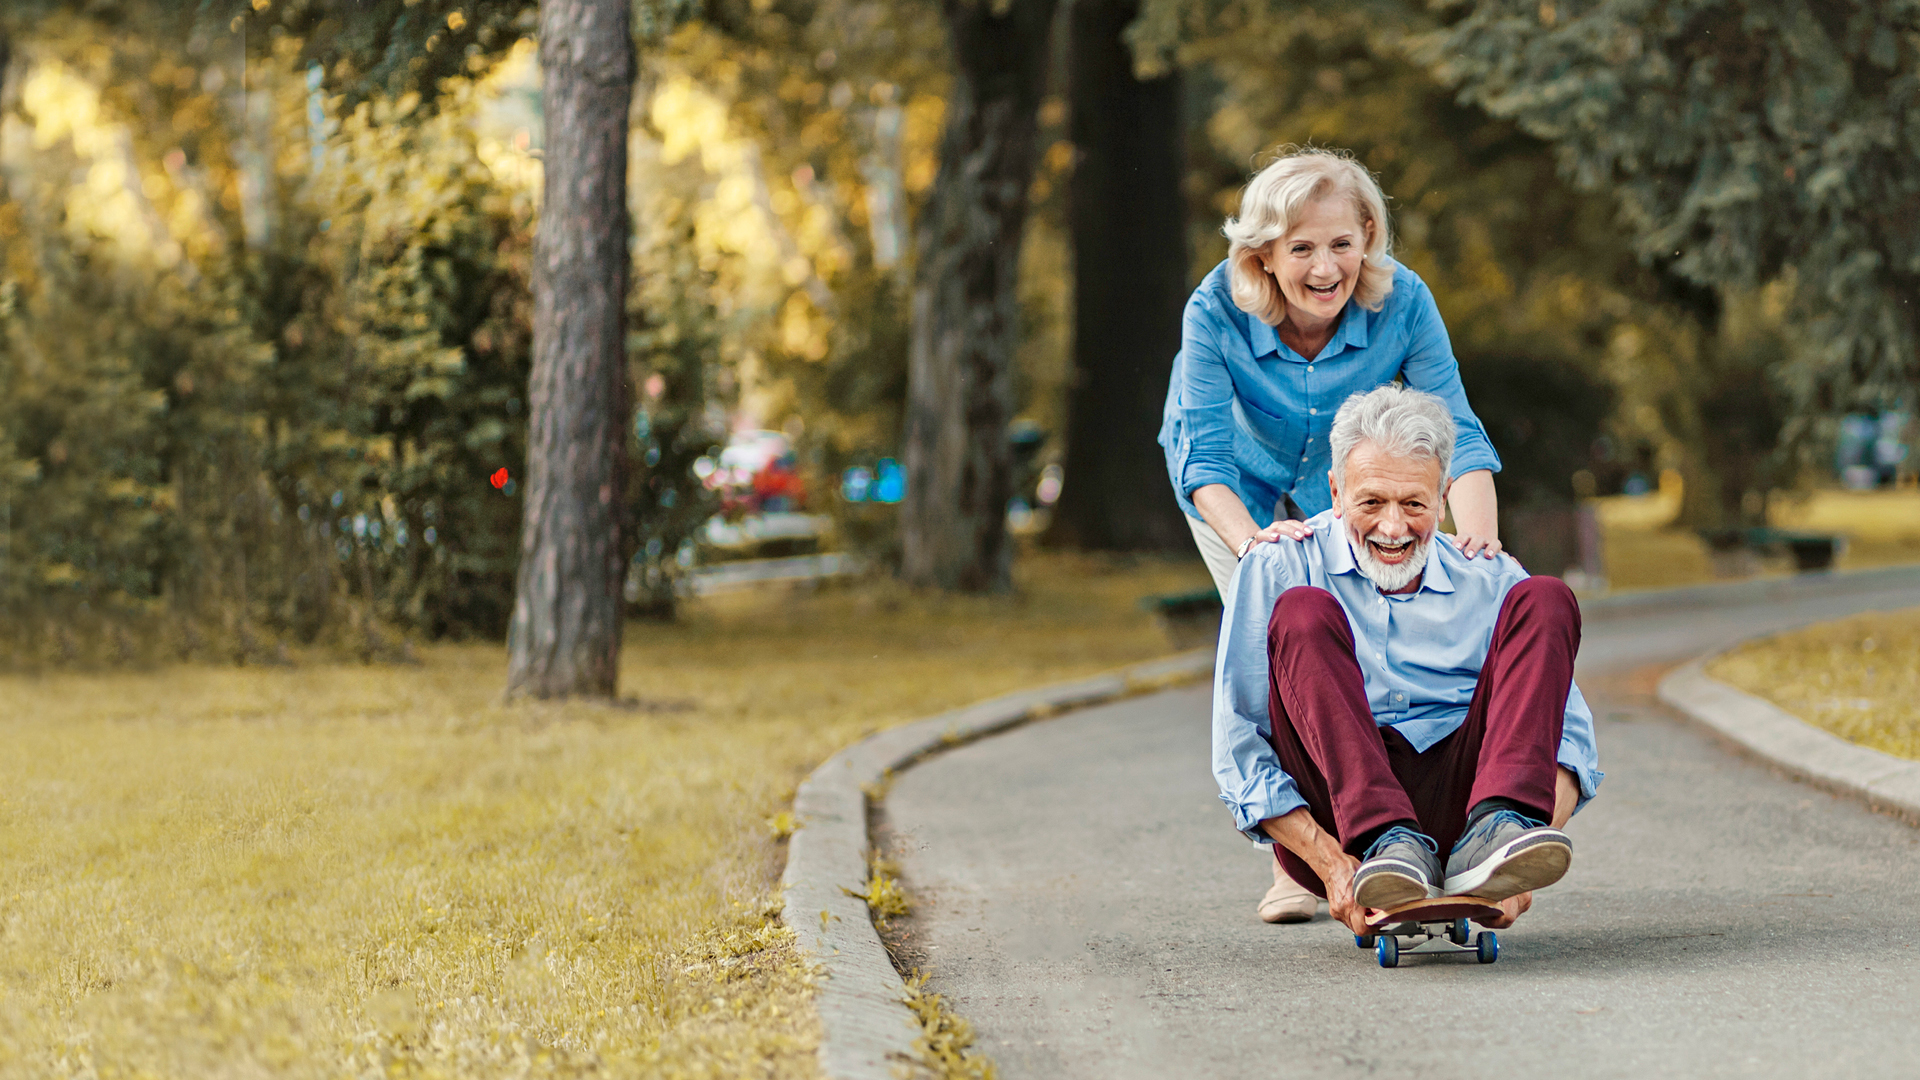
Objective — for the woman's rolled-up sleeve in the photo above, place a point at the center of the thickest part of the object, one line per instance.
(1205, 403)
(1430, 366)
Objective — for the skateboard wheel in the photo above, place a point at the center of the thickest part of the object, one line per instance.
(1487, 946)
(1364, 941)
(1388, 950)
(1457, 932)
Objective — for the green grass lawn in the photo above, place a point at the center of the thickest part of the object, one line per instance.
(1858, 678)
(344, 870)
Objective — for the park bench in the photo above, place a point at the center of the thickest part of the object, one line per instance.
(1190, 619)
(1810, 551)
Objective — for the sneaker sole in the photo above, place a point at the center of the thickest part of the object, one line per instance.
(1525, 864)
(1386, 888)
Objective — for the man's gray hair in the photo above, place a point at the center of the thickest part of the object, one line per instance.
(1398, 420)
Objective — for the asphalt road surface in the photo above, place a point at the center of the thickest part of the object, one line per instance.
(1085, 902)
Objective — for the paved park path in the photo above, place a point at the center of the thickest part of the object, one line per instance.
(1084, 901)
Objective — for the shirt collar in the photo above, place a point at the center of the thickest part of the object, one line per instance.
(1352, 334)
(1435, 575)
(1265, 341)
(1337, 547)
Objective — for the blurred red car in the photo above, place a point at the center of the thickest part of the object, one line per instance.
(757, 473)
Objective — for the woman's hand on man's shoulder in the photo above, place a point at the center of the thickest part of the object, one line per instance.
(1471, 546)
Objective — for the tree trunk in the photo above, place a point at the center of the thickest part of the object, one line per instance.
(565, 635)
(1128, 218)
(966, 321)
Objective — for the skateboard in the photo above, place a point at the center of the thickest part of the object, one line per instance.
(1437, 925)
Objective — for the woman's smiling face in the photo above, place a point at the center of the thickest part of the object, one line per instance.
(1318, 263)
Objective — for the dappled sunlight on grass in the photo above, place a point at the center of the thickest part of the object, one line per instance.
(1858, 678)
(344, 869)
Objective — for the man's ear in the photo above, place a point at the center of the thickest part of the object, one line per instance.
(1446, 485)
(1333, 488)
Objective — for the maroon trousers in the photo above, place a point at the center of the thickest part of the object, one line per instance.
(1357, 776)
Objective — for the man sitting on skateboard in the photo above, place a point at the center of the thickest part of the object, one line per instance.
(1398, 719)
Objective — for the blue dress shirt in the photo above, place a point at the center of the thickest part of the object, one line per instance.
(1421, 653)
(1246, 411)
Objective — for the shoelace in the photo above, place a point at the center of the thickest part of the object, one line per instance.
(1493, 821)
(1401, 833)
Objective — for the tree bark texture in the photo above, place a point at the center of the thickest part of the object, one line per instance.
(1127, 216)
(966, 320)
(565, 635)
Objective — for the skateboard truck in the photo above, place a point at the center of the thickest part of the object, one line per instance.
(1437, 925)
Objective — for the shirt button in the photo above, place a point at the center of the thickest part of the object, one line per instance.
(1309, 367)
(1313, 412)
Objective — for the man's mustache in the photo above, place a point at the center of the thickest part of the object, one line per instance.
(1385, 542)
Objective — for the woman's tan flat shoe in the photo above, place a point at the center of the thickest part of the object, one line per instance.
(1287, 902)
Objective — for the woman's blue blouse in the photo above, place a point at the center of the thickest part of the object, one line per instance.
(1246, 411)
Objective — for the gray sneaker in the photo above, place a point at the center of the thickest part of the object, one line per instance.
(1505, 854)
(1400, 867)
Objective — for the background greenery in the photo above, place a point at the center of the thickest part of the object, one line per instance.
(264, 332)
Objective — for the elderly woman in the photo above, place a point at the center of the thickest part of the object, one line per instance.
(1308, 309)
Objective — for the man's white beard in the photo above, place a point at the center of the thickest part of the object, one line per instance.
(1390, 577)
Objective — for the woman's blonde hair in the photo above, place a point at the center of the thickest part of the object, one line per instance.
(1271, 205)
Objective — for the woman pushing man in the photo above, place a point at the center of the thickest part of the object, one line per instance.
(1308, 309)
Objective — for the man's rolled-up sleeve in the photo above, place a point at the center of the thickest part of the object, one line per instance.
(1252, 783)
(1578, 751)
(1206, 395)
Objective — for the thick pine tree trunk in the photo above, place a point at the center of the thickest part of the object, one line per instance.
(1128, 221)
(966, 320)
(565, 635)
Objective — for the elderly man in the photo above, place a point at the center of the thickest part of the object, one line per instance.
(1381, 699)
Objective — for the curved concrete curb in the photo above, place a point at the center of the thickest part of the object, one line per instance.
(1774, 735)
(867, 1029)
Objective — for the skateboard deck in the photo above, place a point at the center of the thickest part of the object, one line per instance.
(1435, 925)
(1437, 909)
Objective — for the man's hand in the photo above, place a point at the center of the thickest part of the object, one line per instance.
(1296, 831)
(1338, 878)
(1511, 908)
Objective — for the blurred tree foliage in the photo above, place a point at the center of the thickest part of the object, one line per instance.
(263, 318)
(315, 343)
(1747, 142)
(301, 418)
(1543, 294)
(798, 141)
(675, 328)
(1765, 152)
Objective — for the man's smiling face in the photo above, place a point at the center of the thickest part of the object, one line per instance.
(1391, 507)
